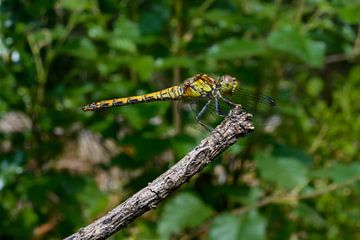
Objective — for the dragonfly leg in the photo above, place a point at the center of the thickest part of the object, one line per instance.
(202, 111)
(217, 108)
(199, 115)
(227, 101)
(207, 127)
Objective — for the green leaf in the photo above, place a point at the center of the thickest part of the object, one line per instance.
(81, 48)
(10, 167)
(124, 35)
(285, 172)
(41, 38)
(29, 219)
(183, 211)
(3, 49)
(92, 198)
(236, 48)
(125, 28)
(144, 66)
(252, 226)
(135, 116)
(58, 31)
(255, 193)
(153, 20)
(226, 227)
(77, 5)
(123, 44)
(350, 13)
(309, 216)
(169, 62)
(291, 41)
(97, 32)
(314, 86)
(230, 227)
(223, 18)
(315, 53)
(339, 172)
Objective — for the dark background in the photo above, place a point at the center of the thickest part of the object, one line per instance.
(61, 168)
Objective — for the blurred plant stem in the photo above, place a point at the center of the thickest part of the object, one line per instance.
(357, 42)
(41, 69)
(346, 57)
(319, 139)
(204, 6)
(40, 43)
(300, 11)
(293, 197)
(176, 51)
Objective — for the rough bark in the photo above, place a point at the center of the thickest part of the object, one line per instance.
(237, 124)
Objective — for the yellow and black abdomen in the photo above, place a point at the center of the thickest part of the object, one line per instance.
(171, 93)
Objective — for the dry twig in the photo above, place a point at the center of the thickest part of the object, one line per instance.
(237, 124)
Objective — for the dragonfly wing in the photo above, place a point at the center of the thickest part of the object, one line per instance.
(262, 107)
(253, 102)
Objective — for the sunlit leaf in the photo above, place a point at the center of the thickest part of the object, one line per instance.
(10, 167)
(252, 226)
(225, 226)
(40, 38)
(144, 66)
(246, 226)
(309, 216)
(339, 172)
(183, 211)
(350, 12)
(290, 40)
(315, 86)
(285, 172)
(123, 44)
(169, 62)
(77, 5)
(124, 28)
(81, 48)
(236, 48)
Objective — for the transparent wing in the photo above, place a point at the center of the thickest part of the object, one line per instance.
(262, 107)
(209, 112)
(252, 101)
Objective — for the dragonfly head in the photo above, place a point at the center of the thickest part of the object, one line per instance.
(228, 85)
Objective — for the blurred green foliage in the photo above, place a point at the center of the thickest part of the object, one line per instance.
(61, 168)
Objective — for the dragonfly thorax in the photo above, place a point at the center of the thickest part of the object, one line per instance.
(228, 85)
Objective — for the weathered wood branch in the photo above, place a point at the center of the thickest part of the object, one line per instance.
(237, 124)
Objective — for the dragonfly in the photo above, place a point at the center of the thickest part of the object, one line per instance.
(210, 90)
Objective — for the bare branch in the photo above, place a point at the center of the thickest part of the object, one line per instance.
(237, 124)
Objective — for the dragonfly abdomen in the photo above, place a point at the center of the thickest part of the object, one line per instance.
(171, 93)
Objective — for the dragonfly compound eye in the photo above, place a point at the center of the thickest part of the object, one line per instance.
(228, 84)
(235, 85)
